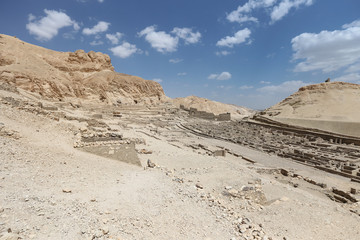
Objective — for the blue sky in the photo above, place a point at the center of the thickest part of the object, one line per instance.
(251, 53)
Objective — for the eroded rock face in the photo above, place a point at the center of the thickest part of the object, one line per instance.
(80, 61)
(59, 75)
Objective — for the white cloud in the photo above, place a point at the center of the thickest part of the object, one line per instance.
(265, 82)
(233, 17)
(238, 38)
(168, 42)
(76, 26)
(175, 60)
(287, 87)
(328, 51)
(68, 35)
(355, 23)
(243, 13)
(100, 27)
(187, 34)
(124, 50)
(96, 43)
(31, 17)
(182, 74)
(284, 7)
(222, 76)
(222, 53)
(159, 80)
(161, 41)
(352, 77)
(48, 27)
(213, 76)
(225, 87)
(114, 38)
(100, 1)
(245, 87)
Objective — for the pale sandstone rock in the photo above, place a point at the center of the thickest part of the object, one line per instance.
(66, 75)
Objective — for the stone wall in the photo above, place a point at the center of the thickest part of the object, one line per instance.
(193, 112)
(224, 117)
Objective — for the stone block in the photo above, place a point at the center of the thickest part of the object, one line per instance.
(50, 108)
(98, 116)
(219, 153)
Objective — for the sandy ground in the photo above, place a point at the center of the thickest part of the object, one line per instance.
(50, 190)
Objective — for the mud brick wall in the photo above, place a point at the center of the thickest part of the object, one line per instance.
(206, 115)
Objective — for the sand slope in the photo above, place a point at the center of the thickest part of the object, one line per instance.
(332, 106)
(326, 101)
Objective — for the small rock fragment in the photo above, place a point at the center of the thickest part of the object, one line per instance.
(98, 234)
(150, 164)
(105, 230)
(199, 186)
(233, 192)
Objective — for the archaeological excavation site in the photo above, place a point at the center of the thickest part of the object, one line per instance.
(89, 153)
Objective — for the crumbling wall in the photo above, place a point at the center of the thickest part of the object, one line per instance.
(193, 112)
(224, 117)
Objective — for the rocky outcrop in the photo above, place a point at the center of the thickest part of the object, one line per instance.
(65, 75)
(80, 61)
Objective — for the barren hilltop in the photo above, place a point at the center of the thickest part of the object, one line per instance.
(330, 106)
(127, 164)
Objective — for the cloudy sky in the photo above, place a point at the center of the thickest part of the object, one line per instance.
(246, 52)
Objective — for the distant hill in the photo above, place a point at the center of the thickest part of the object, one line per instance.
(60, 75)
(203, 104)
(331, 106)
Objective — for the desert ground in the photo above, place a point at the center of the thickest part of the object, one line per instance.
(89, 153)
(53, 188)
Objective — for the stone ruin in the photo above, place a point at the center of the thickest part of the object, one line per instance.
(324, 151)
(193, 112)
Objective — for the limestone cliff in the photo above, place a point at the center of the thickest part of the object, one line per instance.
(61, 75)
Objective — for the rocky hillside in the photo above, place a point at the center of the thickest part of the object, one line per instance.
(61, 75)
(203, 104)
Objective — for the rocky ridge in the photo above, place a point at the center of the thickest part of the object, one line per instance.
(65, 75)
